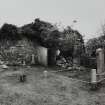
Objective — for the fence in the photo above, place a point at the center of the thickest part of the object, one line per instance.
(96, 78)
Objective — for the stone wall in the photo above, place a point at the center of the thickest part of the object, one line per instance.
(42, 55)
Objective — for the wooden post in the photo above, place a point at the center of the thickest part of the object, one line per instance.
(93, 79)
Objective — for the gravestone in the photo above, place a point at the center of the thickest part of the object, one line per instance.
(93, 80)
(100, 60)
(93, 76)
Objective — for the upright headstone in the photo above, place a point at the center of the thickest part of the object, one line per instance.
(93, 79)
(100, 60)
(93, 76)
(57, 52)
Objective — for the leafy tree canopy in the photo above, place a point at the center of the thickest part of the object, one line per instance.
(9, 32)
(43, 32)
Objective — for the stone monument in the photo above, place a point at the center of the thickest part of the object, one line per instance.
(100, 60)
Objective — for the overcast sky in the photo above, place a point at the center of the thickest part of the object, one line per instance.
(90, 14)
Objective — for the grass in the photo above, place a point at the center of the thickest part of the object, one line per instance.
(38, 90)
(84, 74)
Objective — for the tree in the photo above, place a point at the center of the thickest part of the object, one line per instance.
(9, 32)
(71, 40)
(96, 43)
(102, 30)
(44, 32)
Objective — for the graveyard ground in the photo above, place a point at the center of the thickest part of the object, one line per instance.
(56, 89)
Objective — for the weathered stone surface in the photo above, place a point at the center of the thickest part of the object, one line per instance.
(100, 60)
